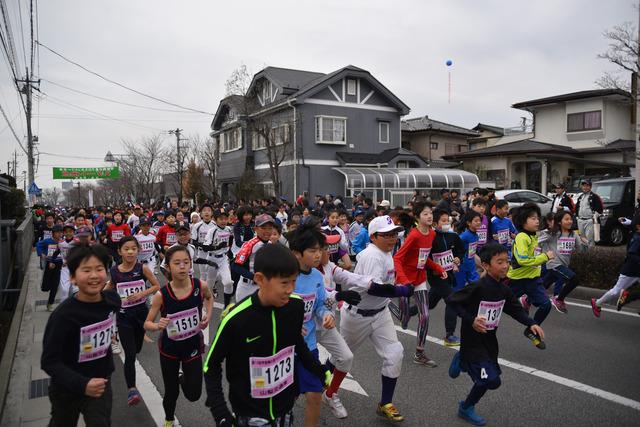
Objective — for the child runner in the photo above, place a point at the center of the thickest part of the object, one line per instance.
(371, 319)
(480, 305)
(258, 336)
(341, 356)
(629, 274)
(468, 273)
(128, 280)
(501, 228)
(524, 270)
(115, 232)
(198, 236)
(411, 263)
(218, 244)
(337, 252)
(243, 262)
(76, 347)
(49, 252)
(306, 244)
(148, 245)
(159, 222)
(65, 245)
(561, 240)
(447, 251)
(180, 305)
(166, 235)
(479, 205)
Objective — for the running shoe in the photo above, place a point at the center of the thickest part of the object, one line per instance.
(469, 415)
(134, 397)
(454, 368)
(115, 348)
(50, 307)
(524, 302)
(421, 359)
(559, 305)
(594, 306)
(389, 412)
(335, 405)
(535, 339)
(622, 299)
(452, 341)
(405, 316)
(168, 423)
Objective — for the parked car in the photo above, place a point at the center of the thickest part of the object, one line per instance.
(518, 197)
(618, 198)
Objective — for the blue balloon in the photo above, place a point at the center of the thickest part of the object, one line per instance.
(449, 63)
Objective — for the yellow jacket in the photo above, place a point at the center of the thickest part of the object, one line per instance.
(525, 264)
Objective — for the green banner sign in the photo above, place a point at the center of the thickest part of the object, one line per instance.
(86, 173)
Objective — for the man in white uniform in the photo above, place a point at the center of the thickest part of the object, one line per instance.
(218, 243)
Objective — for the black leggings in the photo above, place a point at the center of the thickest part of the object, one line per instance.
(436, 293)
(131, 339)
(191, 382)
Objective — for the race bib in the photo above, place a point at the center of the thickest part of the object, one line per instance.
(309, 300)
(566, 245)
(491, 311)
(473, 247)
(51, 249)
(482, 236)
(444, 259)
(270, 375)
(503, 237)
(116, 235)
(183, 324)
(95, 339)
(171, 238)
(333, 249)
(422, 257)
(126, 289)
(47, 234)
(146, 249)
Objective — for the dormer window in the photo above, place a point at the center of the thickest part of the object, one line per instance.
(351, 87)
(266, 92)
(580, 122)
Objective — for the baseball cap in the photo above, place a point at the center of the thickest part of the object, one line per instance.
(183, 228)
(145, 221)
(159, 213)
(444, 190)
(383, 224)
(385, 204)
(219, 212)
(83, 231)
(585, 181)
(358, 212)
(264, 219)
(56, 228)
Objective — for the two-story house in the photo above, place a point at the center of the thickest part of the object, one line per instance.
(311, 127)
(574, 134)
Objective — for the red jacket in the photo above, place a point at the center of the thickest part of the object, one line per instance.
(166, 235)
(117, 232)
(412, 259)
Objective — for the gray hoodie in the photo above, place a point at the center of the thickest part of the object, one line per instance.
(561, 244)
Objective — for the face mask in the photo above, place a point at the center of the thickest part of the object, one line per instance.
(446, 228)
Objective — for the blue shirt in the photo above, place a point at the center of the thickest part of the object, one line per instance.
(470, 244)
(361, 241)
(310, 287)
(49, 248)
(500, 230)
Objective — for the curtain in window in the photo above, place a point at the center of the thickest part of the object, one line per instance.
(575, 122)
(338, 130)
(592, 120)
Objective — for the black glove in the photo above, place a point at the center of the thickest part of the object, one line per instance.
(350, 297)
(225, 422)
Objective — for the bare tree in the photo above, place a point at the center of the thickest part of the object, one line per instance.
(112, 192)
(623, 51)
(238, 82)
(206, 152)
(142, 167)
(51, 196)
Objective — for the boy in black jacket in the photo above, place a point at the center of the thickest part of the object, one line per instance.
(480, 305)
(76, 350)
(258, 339)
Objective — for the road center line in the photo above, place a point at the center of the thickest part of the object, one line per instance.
(547, 376)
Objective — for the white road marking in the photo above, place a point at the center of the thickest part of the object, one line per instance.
(609, 310)
(348, 383)
(150, 394)
(633, 404)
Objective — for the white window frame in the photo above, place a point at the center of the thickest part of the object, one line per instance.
(258, 142)
(380, 133)
(319, 120)
(232, 140)
(266, 91)
(352, 87)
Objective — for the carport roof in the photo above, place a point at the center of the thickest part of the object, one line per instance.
(406, 178)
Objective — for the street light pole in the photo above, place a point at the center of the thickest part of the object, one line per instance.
(177, 133)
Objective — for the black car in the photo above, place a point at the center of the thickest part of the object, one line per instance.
(618, 197)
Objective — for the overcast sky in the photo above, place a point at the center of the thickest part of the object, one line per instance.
(183, 51)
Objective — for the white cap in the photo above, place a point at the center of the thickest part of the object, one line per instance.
(385, 203)
(383, 224)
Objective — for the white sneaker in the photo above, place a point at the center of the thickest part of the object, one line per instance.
(335, 405)
(115, 348)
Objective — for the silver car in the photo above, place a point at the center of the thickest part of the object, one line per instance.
(518, 197)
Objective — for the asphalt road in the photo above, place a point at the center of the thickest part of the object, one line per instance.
(588, 375)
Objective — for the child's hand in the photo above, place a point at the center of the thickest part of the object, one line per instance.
(135, 297)
(328, 322)
(456, 261)
(162, 323)
(551, 254)
(204, 322)
(95, 387)
(444, 275)
(538, 331)
(478, 325)
(51, 266)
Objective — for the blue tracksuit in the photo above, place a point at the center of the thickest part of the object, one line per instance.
(468, 272)
(310, 287)
(500, 230)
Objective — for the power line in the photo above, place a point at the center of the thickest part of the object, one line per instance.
(72, 157)
(120, 84)
(24, 51)
(113, 100)
(76, 117)
(12, 130)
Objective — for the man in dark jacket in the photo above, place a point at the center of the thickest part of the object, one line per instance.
(561, 200)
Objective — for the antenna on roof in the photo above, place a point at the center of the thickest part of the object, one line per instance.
(449, 64)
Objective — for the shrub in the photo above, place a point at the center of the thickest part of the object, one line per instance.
(12, 204)
(598, 267)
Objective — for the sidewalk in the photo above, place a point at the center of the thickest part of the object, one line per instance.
(27, 402)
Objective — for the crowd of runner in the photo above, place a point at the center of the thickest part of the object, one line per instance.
(285, 270)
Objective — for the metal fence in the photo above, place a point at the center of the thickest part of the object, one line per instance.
(16, 243)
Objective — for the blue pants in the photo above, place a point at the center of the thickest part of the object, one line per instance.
(536, 294)
(463, 277)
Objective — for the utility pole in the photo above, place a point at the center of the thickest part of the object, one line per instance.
(177, 133)
(27, 91)
(79, 199)
(636, 94)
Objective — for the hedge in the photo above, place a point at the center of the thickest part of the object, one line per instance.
(598, 267)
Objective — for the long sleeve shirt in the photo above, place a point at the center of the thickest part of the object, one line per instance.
(562, 244)
(487, 298)
(525, 261)
(446, 246)
(49, 248)
(631, 266)
(310, 287)
(413, 259)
